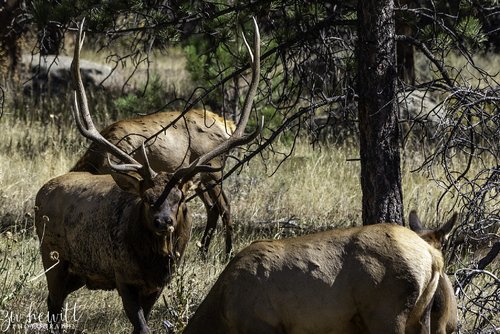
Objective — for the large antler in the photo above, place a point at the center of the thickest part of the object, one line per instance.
(86, 125)
(237, 138)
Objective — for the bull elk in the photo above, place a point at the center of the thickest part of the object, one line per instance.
(372, 279)
(124, 231)
(173, 140)
(195, 133)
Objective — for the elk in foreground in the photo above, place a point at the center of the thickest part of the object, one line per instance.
(444, 318)
(124, 231)
(373, 279)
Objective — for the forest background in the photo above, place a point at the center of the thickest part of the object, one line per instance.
(307, 170)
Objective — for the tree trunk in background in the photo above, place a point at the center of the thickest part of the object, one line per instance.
(378, 123)
(405, 50)
(10, 33)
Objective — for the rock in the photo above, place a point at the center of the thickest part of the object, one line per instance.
(52, 75)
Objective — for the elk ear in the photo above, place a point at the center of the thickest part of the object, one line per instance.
(438, 237)
(414, 221)
(445, 230)
(128, 182)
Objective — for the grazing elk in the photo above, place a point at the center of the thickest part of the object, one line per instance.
(444, 319)
(173, 140)
(123, 231)
(372, 279)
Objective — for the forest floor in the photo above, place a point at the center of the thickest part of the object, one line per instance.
(314, 189)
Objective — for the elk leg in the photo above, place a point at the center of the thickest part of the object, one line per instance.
(423, 325)
(60, 283)
(55, 302)
(148, 301)
(223, 203)
(212, 217)
(218, 196)
(217, 204)
(133, 309)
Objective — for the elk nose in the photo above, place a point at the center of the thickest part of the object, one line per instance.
(163, 223)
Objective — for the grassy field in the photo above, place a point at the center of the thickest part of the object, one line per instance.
(313, 190)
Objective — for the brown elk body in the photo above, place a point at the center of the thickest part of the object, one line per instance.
(94, 233)
(122, 231)
(169, 148)
(373, 279)
(444, 317)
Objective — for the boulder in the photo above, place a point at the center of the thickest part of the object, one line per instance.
(52, 75)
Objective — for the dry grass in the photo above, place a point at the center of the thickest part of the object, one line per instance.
(314, 190)
(464, 72)
(31, 154)
(168, 66)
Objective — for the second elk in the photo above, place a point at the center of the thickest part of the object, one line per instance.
(173, 140)
(379, 278)
(124, 231)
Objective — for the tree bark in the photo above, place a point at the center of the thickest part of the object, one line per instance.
(10, 33)
(378, 122)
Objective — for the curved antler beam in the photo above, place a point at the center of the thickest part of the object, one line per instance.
(237, 138)
(86, 126)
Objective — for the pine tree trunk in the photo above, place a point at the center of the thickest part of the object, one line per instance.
(378, 123)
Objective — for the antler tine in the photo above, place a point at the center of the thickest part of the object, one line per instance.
(123, 167)
(134, 167)
(84, 120)
(254, 83)
(147, 167)
(237, 138)
(182, 172)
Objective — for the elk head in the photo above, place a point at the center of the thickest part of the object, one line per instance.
(158, 212)
(437, 237)
(161, 193)
(123, 232)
